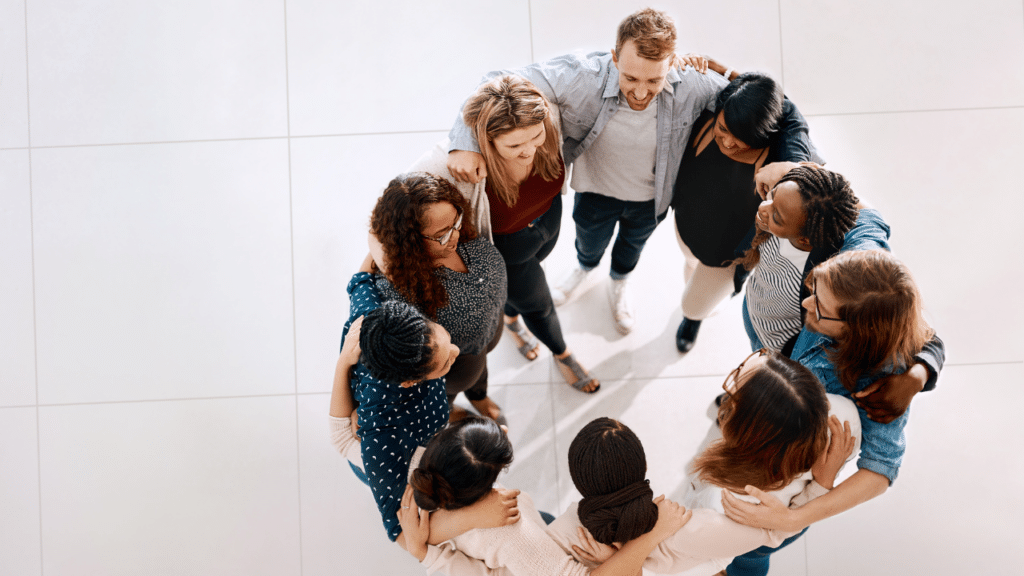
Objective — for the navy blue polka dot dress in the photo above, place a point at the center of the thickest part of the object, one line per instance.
(393, 421)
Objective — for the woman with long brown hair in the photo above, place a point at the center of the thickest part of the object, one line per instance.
(864, 322)
(773, 430)
(433, 258)
(513, 124)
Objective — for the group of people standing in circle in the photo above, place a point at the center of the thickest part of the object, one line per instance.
(456, 244)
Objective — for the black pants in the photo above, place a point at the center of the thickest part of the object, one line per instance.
(468, 373)
(528, 292)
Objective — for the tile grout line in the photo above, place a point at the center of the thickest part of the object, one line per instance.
(782, 57)
(445, 130)
(35, 324)
(287, 136)
(552, 382)
(291, 237)
(529, 22)
(930, 110)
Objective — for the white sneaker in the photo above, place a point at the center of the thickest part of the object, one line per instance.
(560, 294)
(621, 310)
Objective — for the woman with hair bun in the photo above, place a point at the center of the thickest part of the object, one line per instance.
(774, 432)
(458, 467)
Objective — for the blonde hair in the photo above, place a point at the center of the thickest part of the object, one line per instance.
(653, 32)
(502, 105)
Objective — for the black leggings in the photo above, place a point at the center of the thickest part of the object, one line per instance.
(528, 292)
(468, 373)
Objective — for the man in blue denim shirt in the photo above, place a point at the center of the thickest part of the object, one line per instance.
(626, 118)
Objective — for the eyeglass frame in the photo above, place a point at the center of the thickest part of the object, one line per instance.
(444, 238)
(734, 375)
(817, 307)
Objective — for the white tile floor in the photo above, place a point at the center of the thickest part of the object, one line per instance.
(184, 189)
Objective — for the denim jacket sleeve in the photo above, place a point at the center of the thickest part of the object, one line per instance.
(575, 83)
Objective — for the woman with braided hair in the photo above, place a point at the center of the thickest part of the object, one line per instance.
(432, 257)
(459, 467)
(772, 431)
(810, 209)
(390, 375)
(810, 214)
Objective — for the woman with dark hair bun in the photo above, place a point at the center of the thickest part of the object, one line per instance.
(617, 500)
(714, 197)
(459, 467)
(432, 257)
(775, 425)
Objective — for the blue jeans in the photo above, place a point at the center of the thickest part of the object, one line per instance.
(755, 562)
(596, 215)
(755, 342)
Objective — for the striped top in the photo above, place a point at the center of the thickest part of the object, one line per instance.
(773, 292)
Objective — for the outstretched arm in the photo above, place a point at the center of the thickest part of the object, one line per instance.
(773, 514)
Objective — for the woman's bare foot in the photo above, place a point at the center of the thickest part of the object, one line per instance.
(457, 413)
(576, 375)
(487, 407)
(525, 342)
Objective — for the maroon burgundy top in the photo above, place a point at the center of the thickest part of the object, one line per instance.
(535, 197)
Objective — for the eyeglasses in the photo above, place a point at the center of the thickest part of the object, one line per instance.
(730, 381)
(444, 238)
(817, 307)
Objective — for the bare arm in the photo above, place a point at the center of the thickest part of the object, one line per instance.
(857, 489)
(342, 403)
(499, 508)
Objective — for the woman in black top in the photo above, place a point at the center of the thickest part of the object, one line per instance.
(714, 199)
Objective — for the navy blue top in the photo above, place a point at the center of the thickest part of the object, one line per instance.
(393, 421)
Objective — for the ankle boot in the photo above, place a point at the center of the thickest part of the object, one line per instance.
(686, 335)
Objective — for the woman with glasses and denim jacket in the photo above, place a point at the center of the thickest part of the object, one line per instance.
(864, 322)
(432, 257)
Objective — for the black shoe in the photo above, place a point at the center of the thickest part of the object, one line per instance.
(686, 335)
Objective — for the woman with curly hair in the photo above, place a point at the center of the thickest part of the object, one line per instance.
(433, 258)
(519, 206)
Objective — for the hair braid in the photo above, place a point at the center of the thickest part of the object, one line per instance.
(395, 343)
(607, 465)
(829, 205)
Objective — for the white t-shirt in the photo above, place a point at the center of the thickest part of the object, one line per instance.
(620, 162)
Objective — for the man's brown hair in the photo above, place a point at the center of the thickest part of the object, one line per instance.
(652, 32)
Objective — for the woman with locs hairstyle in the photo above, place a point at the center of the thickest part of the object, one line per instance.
(458, 467)
(519, 206)
(775, 427)
(432, 257)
